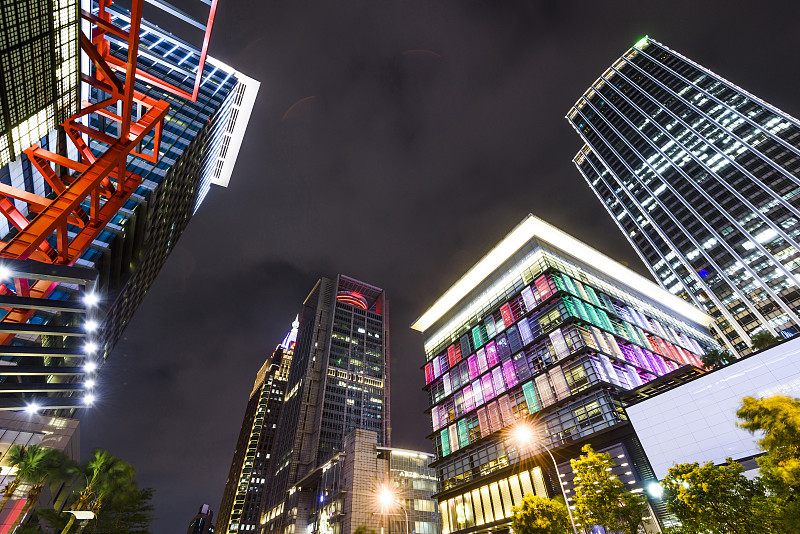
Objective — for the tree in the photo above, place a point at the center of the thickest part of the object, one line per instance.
(715, 358)
(762, 340)
(718, 500)
(778, 417)
(35, 465)
(101, 478)
(601, 498)
(15, 456)
(127, 513)
(538, 515)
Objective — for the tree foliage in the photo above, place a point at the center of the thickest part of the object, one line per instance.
(601, 498)
(718, 500)
(363, 530)
(126, 513)
(715, 358)
(778, 418)
(763, 339)
(538, 515)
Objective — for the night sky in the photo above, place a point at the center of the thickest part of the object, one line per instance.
(395, 142)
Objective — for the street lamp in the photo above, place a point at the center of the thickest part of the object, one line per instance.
(524, 436)
(387, 498)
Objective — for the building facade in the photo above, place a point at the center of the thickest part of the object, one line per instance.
(338, 382)
(53, 357)
(703, 179)
(382, 489)
(696, 421)
(203, 522)
(247, 479)
(39, 77)
(547, 332)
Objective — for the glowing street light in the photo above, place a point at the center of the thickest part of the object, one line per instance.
(90, 367)
(524, 436)
(91, 325)
(387, 498)
(91, 299)
(32, 408)
(90, 348)
(89, 384)
(655, 490)
(88, 400)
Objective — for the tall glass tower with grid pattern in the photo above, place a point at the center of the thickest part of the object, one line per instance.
(547, 332)
(703, 179)
(338, 382)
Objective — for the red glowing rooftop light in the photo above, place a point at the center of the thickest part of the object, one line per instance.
(352, 298)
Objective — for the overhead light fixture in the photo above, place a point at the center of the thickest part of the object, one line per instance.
(89, 384)
(90, 367)
(32, 408)
(91, 325)
(90, 348)
(5, 272)
(91, 299)
(88, 400)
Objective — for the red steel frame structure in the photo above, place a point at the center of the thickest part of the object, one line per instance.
(103, 180)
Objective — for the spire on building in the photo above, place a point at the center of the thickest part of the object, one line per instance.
(291, 337)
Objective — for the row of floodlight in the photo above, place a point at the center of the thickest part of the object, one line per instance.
(91, 347)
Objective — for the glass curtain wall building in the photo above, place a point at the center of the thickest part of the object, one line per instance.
(200, 143)
(244, 489)
(703, 179)
(39, 77)
(338, 382)
(547, 331)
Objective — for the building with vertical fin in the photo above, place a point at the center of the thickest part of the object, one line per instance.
(338, 382)
(703, 178)
(51, 356)
(247, 479)
(377, 488)
(547, 332)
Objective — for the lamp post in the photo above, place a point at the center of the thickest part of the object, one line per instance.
(388, 498)
(524, 436)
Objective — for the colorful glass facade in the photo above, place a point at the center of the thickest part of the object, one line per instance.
(703, 179)
(546, 338)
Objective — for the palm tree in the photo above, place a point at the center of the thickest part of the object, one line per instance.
(103, 475)
(35, 467)
(14, 457)
(31, 463)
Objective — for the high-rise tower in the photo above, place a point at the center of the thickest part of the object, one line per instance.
(703, 178)
(244, 489)
(549, 334)
(83, 236)
(338, 382)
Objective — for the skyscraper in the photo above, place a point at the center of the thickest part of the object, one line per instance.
(244, 489)
(339, 381)
(703, 179)
(53, 344)
(545, 332)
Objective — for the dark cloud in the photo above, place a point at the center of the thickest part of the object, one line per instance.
(403, 170)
